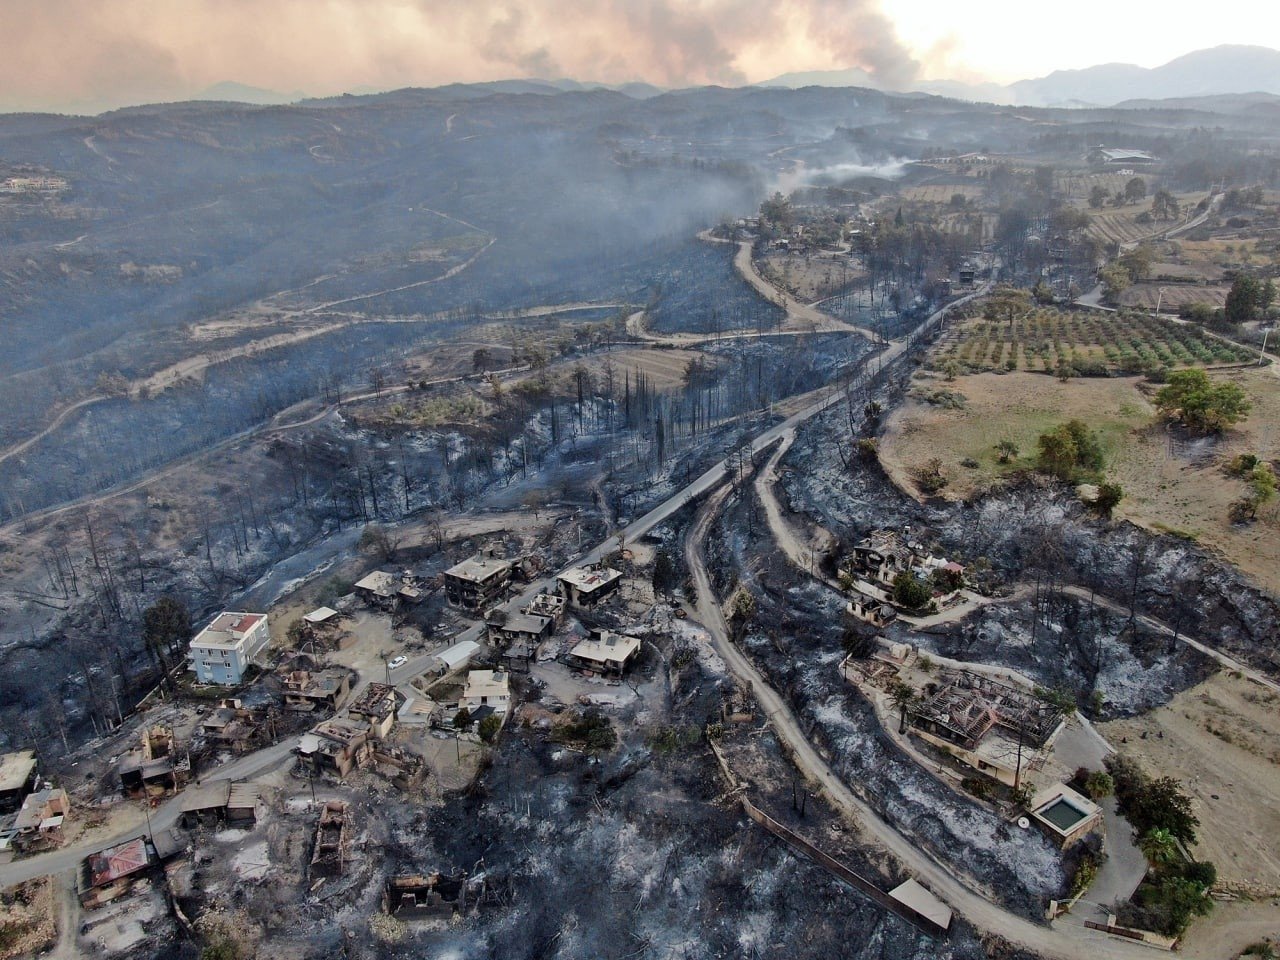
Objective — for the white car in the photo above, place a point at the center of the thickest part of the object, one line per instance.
(397, 663)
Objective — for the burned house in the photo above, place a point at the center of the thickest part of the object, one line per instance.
(587, 586)
(335, 746)
(157, 767)
(871, 610)
(231, 726)
(39, 822)
(387, 591)
(305, 691)
(436, 896)
(376, 706)
(112, 872)
(205, 805)
(605, 652)
(478, 582)
(881, 557)
(331, 850)
(17, 778)
(997, 729)
(519, 628)
(242, 803)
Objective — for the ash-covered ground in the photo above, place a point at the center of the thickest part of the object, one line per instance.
(795, 638)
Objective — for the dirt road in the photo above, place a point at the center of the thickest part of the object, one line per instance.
(1063, 939)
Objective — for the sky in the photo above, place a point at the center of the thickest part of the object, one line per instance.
(60, 54)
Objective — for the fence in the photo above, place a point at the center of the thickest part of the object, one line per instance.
(841, 872)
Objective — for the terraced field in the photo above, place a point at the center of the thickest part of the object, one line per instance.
(1091, 343)
(942, 192)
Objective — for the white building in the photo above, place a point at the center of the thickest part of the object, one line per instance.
(222, 651)
(486, 688)
(456, 657)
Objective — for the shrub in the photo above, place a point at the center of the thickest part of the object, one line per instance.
(1099, 785)
(910, 591)
(489, 728)
(590, 729)
(980, 787)
(929, 476)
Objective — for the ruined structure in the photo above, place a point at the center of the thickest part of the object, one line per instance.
(999, 730)
(155, 768)
(376, 706)
(330, 853)
(479, 582)
(111, 873)
(231, 726)
(304, 691)
(17, 778)
(39, 823)
(335, 746)
(386, 591)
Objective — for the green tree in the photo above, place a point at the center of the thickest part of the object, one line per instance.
(910, 591)
(1161, 805)
(903, 698)
(166, 630)
(1058, 453)
(1159, 847)
(489, 727)
(1200, 404)
(1164, 206)
(1099, 785)
(1135, 190)
(481, 359)
(1115, 281)
(1244, 300)
(1098, 196)
(777, 211)
(1007, 450)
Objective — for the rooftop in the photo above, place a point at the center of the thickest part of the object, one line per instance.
(35, 809)
(227, 630)
(320, 615)
(16, 769)
(919, 899)
(590, 578)
(243, 795)
(118, 861)
(478, 569)
(486, 683)
(379, 582)
(610, 648)
(206, 796)
(458, 653)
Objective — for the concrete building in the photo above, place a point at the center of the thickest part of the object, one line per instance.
(479, 582)
(156, 767)
(222, 651)
(605, 652)
(587, 586)
(335, 746)
(1065, 815)
(486, 688)
(17, 778)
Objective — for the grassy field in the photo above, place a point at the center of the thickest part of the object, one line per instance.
(1043, 337)
(809, 278)
(1145, 296)
(1173, 486)
(1120, 224)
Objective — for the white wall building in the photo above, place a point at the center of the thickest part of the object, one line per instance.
(222, 651)
(486, 688)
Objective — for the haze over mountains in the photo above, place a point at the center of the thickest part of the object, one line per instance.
(1228, 69)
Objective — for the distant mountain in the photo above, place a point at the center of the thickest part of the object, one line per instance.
(231, 92)
(1219, 70)
(852, 77)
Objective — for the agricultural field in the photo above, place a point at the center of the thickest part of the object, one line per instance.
(1091, 343)
(664, 370)
(941, 193)
(1171, 483)
(1145, 296)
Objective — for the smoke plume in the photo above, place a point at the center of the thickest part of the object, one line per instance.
(98, 53)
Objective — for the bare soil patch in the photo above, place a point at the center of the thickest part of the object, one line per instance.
(1222, 740)
(1173, 484)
